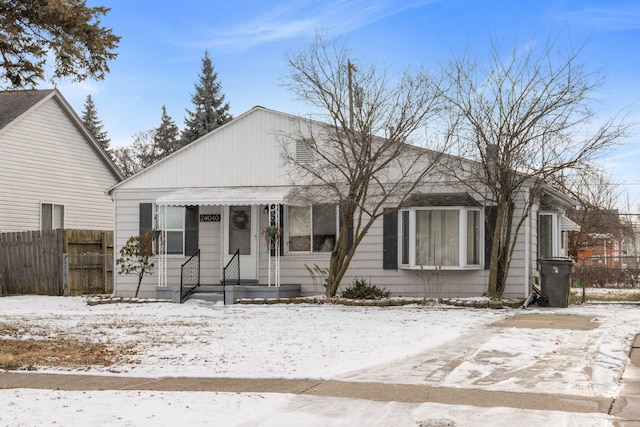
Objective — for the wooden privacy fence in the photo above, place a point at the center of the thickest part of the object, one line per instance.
(31, 262)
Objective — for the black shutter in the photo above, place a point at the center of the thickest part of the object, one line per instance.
(390, 240)
(282, 233)
(490, 217)
(146, 218)
(190, 230)
(145, 224)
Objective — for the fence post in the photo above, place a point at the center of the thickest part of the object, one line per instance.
(105, 269)
(61, 238)
(584, 281)
(65, 274)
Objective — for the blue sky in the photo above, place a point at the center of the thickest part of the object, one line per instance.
(163, 43)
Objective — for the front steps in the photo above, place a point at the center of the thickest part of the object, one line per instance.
(230, 293)
(209, 293)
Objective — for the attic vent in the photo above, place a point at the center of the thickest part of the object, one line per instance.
(304, 153)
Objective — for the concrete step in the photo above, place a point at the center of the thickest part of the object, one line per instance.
(204, 289)
(207, 296)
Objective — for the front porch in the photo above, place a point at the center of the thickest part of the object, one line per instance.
(234, 256)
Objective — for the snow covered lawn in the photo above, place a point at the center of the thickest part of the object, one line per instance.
(438, 346)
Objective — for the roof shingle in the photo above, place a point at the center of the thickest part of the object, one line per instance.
(14, 103)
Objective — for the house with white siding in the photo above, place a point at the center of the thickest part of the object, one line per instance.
(205, 213)
(53, 173)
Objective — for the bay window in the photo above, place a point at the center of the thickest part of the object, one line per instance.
(447, 237)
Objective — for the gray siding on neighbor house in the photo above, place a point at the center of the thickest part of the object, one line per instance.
(45, 158)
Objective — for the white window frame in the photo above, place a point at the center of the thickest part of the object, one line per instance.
(53, 215)
(310, 251)
(556, 234)
(160, 225)
(463, 263)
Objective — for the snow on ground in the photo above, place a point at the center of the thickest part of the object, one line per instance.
(143, 408)
(437, 346)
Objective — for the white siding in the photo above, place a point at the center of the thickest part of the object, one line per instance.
(367, 263)
(244, 152)
(127, 206)
(44, 158)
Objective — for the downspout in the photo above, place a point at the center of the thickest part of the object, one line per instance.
(115, 240)
(528, 251)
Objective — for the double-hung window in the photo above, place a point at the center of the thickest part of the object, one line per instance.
(546, 236)
(441, 237)
(552, 236)
(51, 216)
(312, 228)
(175, 229)
(178, 223)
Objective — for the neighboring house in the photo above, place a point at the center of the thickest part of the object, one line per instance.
(217, 196)
(603, 249)
(603, 238)
(53, 174)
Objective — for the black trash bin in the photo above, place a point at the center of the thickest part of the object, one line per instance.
(556, 277)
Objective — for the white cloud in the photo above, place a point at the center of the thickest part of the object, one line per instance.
(608, 18)
(294, 19)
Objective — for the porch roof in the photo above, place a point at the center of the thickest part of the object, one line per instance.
(221, 196)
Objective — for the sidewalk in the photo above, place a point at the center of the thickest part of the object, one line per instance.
(627, 405)
(358, 390)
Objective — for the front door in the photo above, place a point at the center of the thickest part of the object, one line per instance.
(240, 233)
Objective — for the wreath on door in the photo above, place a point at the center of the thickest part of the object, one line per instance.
(240, 219)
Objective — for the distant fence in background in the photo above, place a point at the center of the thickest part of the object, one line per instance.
(604, 274)
(607, 272)
(32, 262)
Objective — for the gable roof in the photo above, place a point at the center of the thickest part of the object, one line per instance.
(236, 121)
(15, 104)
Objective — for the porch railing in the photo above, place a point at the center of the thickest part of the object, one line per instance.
(231, 271)
(190, 276)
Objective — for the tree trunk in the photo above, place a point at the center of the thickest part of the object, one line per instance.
(500, 253)
(139, 282)
(338, 264)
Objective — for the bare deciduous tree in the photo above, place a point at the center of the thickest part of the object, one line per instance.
(597, 211)
(525, 116)
(142, 153)
(362, 150)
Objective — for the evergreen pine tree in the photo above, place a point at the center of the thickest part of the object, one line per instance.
(210, 110)
(167, 135)
(93, 124)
